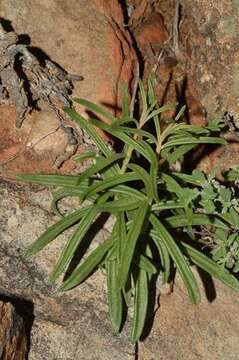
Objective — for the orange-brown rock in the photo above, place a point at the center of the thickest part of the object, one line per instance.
(13, 341)
(86, 38)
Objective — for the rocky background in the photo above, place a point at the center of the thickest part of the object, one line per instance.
(193, 49)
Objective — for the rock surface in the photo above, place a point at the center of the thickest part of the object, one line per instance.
(66, 326)
(213, 53)
(13, 340)
(85, 38)
(185, 331)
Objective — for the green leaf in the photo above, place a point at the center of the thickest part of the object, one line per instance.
(143, 95)
(131, 240)
(122, 233)
(86, 155)
(179, 152)
(146, 264)
(73, 243)
(180, 113)
(162, 109)
(88, 266)
(97, 109)
(53, 231)
(210, 266)
(168, 205)
(111, 182)
(164, 256)
(129, 191)
(191, 140)
(146, 180)
(124, 99)
(138, 132)
(172, 185)
(197, 178)
(62, 193)
(49, 180)
(123, 204)
(90, 130)
(152, 98)
(178, 258)
(196, 220)
(140, 306)
(101, 163)
(127, 291)
(114, 295)
(122, 136)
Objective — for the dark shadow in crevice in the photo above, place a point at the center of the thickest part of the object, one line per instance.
(134, 42)
(181, 97)
(25, 309)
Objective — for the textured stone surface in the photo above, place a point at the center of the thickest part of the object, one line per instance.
(185, 331)
(85, 38)
(13, 340)
(213, 53)
(75, 323)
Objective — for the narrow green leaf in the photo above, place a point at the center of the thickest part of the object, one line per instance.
(164, 256)
(138, 132)
(172, 185)
(114, 295)
(128, 191)
(53, 231)
(188, 178)
(122, 136)
(180, 113)
(89, 128)
(162, 109)
(97, 109)
(178, 258)
(86, 155)
(210, 266)
(152, 98)
(140, 306)
(124, 99)
(196, 220)
(131, 240)
(62, 193)
(88, 266)
(179, 152)
(122, 233)
(71, 246)
(111, 182)
(127, 291)
(49, 180)
(168, 205)
(123, 204)
(143, 95)
(145, 178)
(146, 264)
(191, 140)
(101, 163)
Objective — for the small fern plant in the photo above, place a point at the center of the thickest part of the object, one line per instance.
(157, 211)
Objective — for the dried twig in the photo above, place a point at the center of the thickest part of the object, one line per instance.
(135, 88)
(25, 81)
(175, 31)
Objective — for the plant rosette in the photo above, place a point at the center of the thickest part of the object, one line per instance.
(159, 214)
